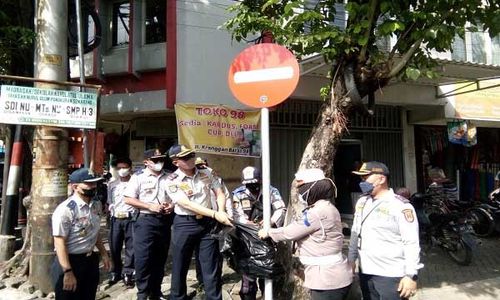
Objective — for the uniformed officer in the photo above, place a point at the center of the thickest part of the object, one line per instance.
(194, 223)
(146, 192)
(75, 227)
(121, 230)
(384, 238)
(320, 239)
(246, 206)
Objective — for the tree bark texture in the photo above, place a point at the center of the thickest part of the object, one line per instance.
(319, 153)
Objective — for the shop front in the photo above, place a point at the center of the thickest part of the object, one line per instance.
(465, 145)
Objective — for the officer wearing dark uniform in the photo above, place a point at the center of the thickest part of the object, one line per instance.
(146, 192)
(75, 227)
(121, 230)
(195, 219)
(246, 207)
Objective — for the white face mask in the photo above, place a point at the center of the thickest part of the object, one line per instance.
(124, 172)
(156, 167)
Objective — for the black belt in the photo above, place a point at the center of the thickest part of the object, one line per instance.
(159, 216)
(193, 217)
(82, 255)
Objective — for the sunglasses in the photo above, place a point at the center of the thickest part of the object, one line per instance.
(188, 157)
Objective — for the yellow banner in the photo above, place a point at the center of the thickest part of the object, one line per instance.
(476, 104)
(219, 129)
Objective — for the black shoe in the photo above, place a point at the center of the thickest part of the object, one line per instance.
(128, 280)
(113, 278)
(160, 297)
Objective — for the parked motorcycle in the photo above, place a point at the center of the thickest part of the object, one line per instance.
(444, 228)
(493, 207)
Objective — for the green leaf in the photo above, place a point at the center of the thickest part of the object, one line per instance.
(363, 40)
(412, 73)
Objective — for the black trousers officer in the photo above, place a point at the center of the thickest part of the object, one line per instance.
(85, 267)
(191, 233)
(122, 231)
(151, 242)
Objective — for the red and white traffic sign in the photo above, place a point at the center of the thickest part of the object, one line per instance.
(263, 75)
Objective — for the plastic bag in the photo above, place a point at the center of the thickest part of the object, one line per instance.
(248, 254)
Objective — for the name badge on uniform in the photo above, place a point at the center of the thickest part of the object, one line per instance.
(82, 232)
(359, 241)
(186, 188)
(246, 204)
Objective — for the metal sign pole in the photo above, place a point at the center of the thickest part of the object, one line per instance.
(266, 182)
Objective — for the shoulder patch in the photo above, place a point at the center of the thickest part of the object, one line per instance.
(408, 213)
(172, 176)
(306, 221)
(71, 205)
(402, 199)
(139, 172)
(173, 188)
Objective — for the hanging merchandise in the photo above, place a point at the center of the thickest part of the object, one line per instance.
(457, 132)
(471, 138)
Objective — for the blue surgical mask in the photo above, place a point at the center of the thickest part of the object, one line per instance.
(366, 187)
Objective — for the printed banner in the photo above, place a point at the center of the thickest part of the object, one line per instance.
(219, 129)
(474, 104)
(33, 106)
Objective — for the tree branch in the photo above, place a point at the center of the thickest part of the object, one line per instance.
(404, 35)
(405, 58)
(371, 17)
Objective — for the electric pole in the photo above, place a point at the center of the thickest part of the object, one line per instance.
(50, 146)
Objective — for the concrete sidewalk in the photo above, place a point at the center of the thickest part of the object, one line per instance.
(441, 279)
(488, 289)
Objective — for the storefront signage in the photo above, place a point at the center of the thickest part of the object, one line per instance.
(33, 106)
(474, 104)
(219, 129)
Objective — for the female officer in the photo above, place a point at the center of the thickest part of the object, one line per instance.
(319, 236)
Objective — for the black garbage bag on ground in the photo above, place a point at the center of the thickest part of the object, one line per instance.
(248, 254)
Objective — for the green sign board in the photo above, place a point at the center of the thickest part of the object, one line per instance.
(60, 108)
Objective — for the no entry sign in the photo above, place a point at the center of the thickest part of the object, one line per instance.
(263, 75)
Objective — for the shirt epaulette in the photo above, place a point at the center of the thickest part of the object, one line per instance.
(172, 176)
(402, 199)
(239, 189)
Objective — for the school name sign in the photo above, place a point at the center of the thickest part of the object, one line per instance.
(33, 106)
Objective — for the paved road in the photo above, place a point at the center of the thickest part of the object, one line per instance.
(440, 279)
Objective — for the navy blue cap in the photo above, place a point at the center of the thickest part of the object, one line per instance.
(153, 153)
(177, 151)
(83, 175)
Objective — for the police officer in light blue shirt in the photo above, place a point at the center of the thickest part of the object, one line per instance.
(75, 227)
(146, 192)
(384, 237)
(190, 189)
(247, 207)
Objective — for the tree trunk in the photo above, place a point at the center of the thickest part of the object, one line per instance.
(18, 265)
(319, 153)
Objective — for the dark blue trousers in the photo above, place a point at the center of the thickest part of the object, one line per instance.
(375, 287)
(122, 231)
(151, 242)
(191, 233)
(86, 270)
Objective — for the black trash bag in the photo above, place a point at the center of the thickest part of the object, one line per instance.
(248, 254)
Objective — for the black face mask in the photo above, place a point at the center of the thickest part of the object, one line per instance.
(88, 192)
(254, 188)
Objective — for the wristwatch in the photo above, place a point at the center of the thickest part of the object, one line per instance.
(413, 277)
(67, 270)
